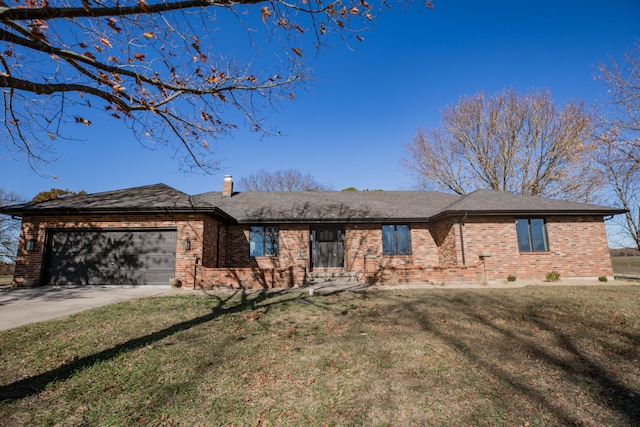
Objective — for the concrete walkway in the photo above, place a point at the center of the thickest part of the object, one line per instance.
(23, 306)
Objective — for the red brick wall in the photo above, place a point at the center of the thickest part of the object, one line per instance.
(360, 241)
(250, 278)
(240, 270)
(211, 248)
(577, 248)
(236, 247)
(447, 238)
(293, 246)
(29, 264)
(364, 255)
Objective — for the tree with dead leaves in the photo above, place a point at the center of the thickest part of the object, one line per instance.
(620, 138)
(56, 193)
(520, 143)
(176, 72)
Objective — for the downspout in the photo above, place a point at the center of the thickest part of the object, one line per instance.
(218, 248)
(195, 273)
(460, 224)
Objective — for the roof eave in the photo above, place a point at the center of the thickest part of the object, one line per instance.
(388, 220)
(213, 211)
(528, 212)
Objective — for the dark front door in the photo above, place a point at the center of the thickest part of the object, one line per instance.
(328, 248)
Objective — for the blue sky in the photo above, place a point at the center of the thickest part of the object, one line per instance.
(348, 128)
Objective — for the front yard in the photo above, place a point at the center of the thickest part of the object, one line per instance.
(534, 356)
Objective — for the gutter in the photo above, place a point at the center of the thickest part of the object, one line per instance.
(378, 220)
(541, 212)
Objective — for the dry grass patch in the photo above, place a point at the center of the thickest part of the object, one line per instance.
(626, 264)
(537, 356)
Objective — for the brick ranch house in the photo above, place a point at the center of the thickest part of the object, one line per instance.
(151, 234)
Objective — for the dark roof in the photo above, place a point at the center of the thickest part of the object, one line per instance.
(330, 206)
(488, 202)
(146, 199)
(307, 207)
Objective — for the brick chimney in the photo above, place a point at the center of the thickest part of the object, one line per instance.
(227, 186)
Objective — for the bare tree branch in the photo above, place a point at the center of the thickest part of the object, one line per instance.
(508, 142)
(620, 138)
(281, 180)
(9, 228)
(157, 67)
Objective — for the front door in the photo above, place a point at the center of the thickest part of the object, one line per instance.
(328, 248)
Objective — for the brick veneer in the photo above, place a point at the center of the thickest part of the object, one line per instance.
(479, 249)
(239, 270)
(436, 257)
(29, 264)
(577, 247)
(476, 250)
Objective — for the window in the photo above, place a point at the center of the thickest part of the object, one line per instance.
(396, 240)
(263, 241)
(532, 235)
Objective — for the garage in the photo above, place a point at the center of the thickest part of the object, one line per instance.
(110, 257)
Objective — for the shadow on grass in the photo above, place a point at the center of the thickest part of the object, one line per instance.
(576, 365)
(37, 383)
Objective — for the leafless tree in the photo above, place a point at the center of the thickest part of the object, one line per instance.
(281, 180)
(508, 142)
(176, 72)
(9, 228)
(620, 137)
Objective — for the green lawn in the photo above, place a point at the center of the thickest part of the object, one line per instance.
(535, 356)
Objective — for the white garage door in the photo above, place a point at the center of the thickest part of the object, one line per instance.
(114, 257)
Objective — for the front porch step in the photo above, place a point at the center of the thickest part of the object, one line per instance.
(332, 276)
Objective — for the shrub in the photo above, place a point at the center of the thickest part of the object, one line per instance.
(603, 279)
(511, 278)
(554, 276)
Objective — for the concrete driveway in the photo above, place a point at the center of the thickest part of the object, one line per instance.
(23, 306)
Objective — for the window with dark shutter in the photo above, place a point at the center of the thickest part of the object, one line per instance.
(396, 240)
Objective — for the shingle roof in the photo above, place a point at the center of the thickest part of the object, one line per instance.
(149, 198)
(307, 207)
(488, 202)
(330, 206)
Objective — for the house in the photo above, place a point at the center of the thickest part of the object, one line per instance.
(150, 234)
